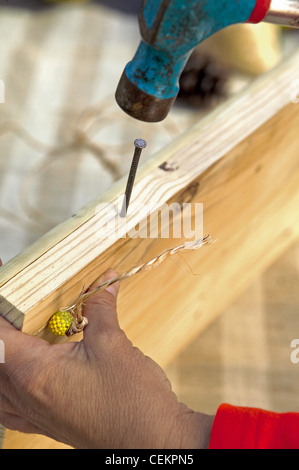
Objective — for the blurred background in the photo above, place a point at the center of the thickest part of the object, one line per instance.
(64, 142)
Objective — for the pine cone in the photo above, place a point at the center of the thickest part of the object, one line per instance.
(203, 81)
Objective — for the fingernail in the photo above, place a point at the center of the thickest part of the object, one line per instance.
(113, 289)
(110, 274)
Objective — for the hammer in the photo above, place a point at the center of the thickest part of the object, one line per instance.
(170, 29)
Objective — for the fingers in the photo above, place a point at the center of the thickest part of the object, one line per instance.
(17, 348)
(11, 338)
(108, 275)
(100, 309)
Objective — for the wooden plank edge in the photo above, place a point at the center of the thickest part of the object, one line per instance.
(11, 313)
(274, 100)
(191, 167)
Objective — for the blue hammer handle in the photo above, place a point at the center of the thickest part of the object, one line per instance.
(166, 45)
(170, 30)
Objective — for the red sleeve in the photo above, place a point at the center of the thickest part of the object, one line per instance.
(238, 427)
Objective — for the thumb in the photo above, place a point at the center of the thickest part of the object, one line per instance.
(100, 309)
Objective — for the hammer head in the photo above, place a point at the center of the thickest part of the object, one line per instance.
(170, 29)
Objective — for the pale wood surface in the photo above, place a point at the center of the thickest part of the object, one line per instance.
(197, 150)
(18, 440)
(248, 168)
(243, 358)
(37, 289)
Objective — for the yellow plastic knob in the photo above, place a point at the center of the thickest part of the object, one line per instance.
(60, 322)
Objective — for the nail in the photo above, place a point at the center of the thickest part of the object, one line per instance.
(140, 144)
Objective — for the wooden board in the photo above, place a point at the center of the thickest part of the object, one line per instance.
(2, 434)
(241, 163)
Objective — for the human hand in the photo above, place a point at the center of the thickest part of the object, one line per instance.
(100, 392)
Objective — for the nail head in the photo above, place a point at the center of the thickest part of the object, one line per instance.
(140, 143)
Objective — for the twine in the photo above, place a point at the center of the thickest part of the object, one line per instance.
(76, 310)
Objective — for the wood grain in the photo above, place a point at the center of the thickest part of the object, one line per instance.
(194, 152)
(250, 198)
(253, 220)
(18, 440)
(241, 163)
